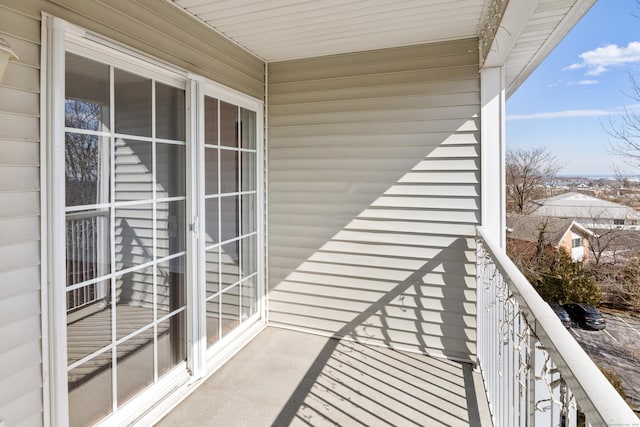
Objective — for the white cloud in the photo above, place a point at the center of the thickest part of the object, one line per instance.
(584, 82)
(575, 113)
(561, 114)
(599, 60)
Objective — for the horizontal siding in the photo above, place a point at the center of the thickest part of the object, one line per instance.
(374, 196)
(159, 29)
(20, 321)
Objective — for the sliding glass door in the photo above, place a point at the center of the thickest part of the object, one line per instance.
(159, 175)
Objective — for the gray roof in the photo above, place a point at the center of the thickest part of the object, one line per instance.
(578, 205)
(527, 227)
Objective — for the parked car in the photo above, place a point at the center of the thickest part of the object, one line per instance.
(586, 316)
(561, 313)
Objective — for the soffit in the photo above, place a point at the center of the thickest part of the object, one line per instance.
(550, 21)
(277, 30)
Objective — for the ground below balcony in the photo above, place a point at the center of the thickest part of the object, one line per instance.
(287, 378)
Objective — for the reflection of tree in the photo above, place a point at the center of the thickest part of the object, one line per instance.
(82, 157)
(82, 114)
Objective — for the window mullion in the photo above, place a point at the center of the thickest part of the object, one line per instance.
(220, 272)
(112, 238)
(154, 226)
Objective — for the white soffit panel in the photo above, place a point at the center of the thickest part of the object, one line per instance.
(276, 30)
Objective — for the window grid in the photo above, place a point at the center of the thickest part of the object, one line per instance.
(115, 271)
(239, 238)
(243, 241)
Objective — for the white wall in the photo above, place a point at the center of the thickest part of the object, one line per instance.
(374, 196)
(20, 355)
(156, 28)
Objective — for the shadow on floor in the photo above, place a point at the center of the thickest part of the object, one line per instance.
(287, 378)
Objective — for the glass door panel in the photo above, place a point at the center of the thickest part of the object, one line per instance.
(125, 192)
(127, 173)
(230, 217)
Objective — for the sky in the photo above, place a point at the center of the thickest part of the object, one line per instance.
(581, 86)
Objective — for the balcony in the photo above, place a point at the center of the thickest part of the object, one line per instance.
(529, 371)
(292, 378)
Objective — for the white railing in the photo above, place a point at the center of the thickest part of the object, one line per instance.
(535, 373)
(85, 256)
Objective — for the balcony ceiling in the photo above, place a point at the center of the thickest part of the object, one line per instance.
(276, 30)
(288, 29)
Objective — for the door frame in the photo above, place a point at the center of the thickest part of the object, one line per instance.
(57, 36)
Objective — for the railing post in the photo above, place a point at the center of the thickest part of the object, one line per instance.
(492, 147)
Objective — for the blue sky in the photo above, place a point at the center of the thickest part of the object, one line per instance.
(583, 83)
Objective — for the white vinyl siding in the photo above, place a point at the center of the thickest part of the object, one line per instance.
(156, 28)
(374, 196)
(20, 346)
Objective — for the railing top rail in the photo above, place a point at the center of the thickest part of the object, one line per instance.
(87, 214)
(595, 395)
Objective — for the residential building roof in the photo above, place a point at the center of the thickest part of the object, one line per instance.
(578, 205)
(529, 228)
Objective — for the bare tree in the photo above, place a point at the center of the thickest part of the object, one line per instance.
(82, 152)
(615, 263)
(626, 131)
(527, 171)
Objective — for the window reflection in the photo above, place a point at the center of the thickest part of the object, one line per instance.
(170, 235)
(213, 321)
(135, 369)
(88, 308)
(86, 169)
(87, 94)
(230, 310)
(211, 221)
(228, 171)
(210, 121)
(248, 129)
(213, 271)
(125, 195)
(134, 231)
(228, 125)
(248, 214)
(229, 217)
(170, 170)
(133, 170)
(170, 286)
(170, 112)
(171, 342)
(87, 246)
(248, 167)
(230, 264)
(249, 297)
(89, 400)
(210, 171)
(133, 103)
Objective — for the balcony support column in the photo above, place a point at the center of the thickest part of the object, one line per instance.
(492, 151)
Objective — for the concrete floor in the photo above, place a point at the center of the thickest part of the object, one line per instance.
(285, 378)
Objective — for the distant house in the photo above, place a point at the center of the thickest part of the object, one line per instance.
(527, 231)
(589, 211)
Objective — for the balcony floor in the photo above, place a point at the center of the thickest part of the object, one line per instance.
(287, 378)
